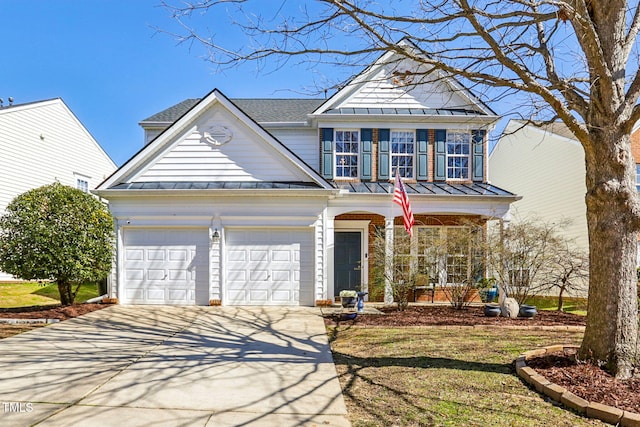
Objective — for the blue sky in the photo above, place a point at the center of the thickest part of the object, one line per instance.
(111, 67)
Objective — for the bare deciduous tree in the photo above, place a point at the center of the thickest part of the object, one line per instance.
(520, 254)
(577, 60)
(566, 271)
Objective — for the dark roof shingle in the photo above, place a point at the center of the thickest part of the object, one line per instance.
(260, 110)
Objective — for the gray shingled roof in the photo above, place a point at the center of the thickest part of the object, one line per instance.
(433, 188)
(260, 110)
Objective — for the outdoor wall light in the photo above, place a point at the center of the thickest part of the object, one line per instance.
(215, 237)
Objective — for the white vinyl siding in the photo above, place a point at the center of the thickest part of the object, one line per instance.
(42, 143)
(303, 142)
(547, 171)
(245, 157)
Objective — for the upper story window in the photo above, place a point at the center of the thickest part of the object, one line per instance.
(347, 143)
(458, 155)
(638, 177)
(82, 184)
(402, 153)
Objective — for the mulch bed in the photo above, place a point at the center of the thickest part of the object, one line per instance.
(445, 315)
(588, 381)
(583, 379)
(50, 311)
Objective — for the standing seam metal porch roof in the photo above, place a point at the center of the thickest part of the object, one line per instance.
(427, 188)
(421, 188)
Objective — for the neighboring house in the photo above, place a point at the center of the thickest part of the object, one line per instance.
(275, 201)
(43, 142)
(546, 166)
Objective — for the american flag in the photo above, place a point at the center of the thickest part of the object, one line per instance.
(400, 197)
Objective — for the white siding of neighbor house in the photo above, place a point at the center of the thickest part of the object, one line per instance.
(42, 143)
(548, 171)
(246, 157)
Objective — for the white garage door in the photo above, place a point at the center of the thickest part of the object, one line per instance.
(269, 267)
(166, 266)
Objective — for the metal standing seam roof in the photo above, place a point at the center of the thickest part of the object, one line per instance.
(217, 185)
(427, 188)
(422, 188)
(405, 111)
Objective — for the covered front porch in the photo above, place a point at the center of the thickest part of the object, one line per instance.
(360, 226)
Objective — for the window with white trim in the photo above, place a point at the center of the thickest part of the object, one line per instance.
(638, 177)
(347, 146)
(402, 153)
(458, 155)
(83, 185)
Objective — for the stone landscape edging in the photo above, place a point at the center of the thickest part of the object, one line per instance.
(608, 414)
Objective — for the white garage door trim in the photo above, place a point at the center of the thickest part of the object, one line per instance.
(269, 267)
(165, 266)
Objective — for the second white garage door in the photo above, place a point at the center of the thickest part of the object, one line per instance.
(269, 267)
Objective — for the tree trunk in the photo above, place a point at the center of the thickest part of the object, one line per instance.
(66, 294)
(561, 299)
(611, 333)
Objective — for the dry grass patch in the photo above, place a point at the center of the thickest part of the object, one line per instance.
(424, 376)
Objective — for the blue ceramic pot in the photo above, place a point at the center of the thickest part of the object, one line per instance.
(527, 310)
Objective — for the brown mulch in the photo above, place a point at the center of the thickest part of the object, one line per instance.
(50, 312)
(588, 381)
(445, 315)
(583, 379)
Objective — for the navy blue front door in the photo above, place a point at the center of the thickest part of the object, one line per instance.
(347, 261)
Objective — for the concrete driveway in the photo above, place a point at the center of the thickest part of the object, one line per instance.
(173, 366)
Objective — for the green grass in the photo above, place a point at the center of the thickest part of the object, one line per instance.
(31, 293)
(443, 377)
(571, 305)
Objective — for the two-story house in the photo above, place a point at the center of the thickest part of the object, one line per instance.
(43, 142)
(275, 201)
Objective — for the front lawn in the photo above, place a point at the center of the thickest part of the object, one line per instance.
(571, 304)
(32, 293)
(435, 376)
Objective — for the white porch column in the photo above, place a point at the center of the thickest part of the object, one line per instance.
(388, 265)
(329, 238)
